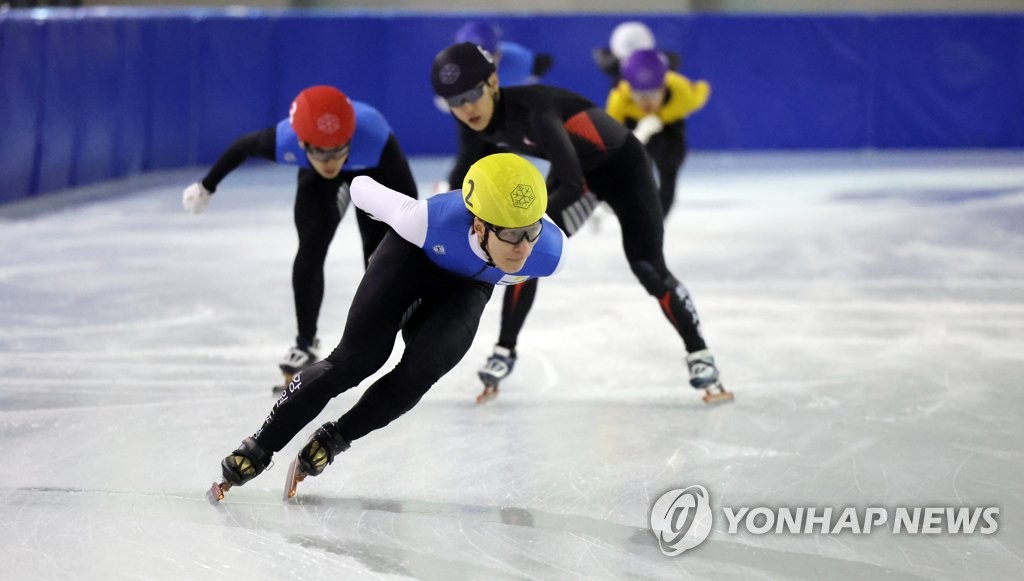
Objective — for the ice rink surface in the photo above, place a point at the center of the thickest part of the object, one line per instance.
(867, 310)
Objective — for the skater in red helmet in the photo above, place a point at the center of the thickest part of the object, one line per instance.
(331, 140)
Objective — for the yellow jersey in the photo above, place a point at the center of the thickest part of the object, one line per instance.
(682, 98)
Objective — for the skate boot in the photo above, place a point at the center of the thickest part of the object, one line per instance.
(320, 451)
(499, 366)
(239, 467)
(299, 357)
(704, 375)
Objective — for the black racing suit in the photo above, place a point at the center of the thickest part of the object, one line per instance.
(589, 152)
(667, 149)
(320, 205)
(437, 336)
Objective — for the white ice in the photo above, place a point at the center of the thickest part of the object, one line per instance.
(867, 310)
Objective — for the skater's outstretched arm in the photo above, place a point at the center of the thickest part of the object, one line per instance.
(407, 216)
(256, 144)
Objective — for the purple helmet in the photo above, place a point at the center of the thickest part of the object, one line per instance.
(644, 70)
(481, 34)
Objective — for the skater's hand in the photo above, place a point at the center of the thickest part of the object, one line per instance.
(195, 198)
(647, 127)
(440, 187)
(442, 105)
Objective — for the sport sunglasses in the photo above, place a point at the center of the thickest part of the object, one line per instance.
(318, 154)
(516, 235)
(471, 96)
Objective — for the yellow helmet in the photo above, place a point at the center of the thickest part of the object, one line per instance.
(505, 190)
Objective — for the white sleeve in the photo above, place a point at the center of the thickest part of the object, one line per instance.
(405, 215)
(565, 250)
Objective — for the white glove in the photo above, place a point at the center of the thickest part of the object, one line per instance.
(440, 187)
(442, 105)
(195, 198)
(647, 127)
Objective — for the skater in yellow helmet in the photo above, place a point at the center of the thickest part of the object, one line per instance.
(430, 278)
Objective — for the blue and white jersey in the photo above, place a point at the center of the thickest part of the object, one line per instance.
(451, 244)
(516, 66)
(368, 141)
(443, 228)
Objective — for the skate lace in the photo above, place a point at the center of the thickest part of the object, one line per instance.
(244, 465)
(701, 369)
(318, 455)
(297, 357)
(497, 364)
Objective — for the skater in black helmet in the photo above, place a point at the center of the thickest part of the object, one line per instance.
(442, 261)
(593, 158)
(332, 140)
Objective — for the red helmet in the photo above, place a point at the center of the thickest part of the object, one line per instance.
(323, 117)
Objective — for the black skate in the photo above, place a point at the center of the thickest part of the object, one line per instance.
(704, 375)
(314, 457)
(239, 467)
(295, 360)
(499, 366)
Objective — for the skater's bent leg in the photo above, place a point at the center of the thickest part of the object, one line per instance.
(311, 389)
(668, 152)
(316, 220)
(442, 336)
(371, 232)
(674, 299)
(516, 305)
(383, 296)
(643, 234)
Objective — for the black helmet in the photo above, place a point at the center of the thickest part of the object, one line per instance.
(460, 68)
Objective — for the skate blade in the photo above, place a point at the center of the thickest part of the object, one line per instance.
(288, 377)
(295, 476)
(490, 392)
(717, 394)
(216, 492)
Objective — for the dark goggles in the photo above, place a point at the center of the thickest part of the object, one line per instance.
(318, 154)
(516, 235)
(471, 96)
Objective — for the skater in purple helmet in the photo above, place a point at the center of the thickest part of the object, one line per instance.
(516, 64)
(654, 102)
(627, 38)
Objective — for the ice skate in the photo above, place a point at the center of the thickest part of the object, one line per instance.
(239, 467)
(704, 375)
(320, 451)
(499, 366)
(295, 360)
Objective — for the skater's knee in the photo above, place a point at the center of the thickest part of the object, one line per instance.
(310, 258)
(313, 372)
(656, 280)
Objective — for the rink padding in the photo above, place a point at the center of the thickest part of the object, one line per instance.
(93, 94)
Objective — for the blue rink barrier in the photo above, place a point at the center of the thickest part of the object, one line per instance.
(98, 93)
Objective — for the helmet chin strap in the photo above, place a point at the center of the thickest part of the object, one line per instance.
(483, 246)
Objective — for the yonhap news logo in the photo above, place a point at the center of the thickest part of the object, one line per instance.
(681, 519)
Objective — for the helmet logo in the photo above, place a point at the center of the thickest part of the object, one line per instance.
(328, 123)
(485, 53)
(450, 73)
(523, 196)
